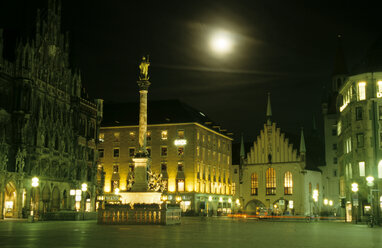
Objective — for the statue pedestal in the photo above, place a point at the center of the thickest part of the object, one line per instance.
(140, 174)
(140, 197)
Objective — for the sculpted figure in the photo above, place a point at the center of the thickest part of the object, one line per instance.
(20, 160)
(144, 67)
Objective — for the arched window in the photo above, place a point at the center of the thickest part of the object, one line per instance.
(271, 181)
(254, 184)
(288, 183)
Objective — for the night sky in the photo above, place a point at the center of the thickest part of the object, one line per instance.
(283, 47)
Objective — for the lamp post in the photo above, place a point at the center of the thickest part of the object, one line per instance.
(354, 188)
(315, 199)
(35, 183)
(370, 183)
(84, 188)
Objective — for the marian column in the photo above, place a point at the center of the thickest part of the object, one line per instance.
(141, 159)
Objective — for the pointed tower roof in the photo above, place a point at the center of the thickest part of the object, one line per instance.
(269, 109)
(340, 67)
(302, 142)
(242, 150)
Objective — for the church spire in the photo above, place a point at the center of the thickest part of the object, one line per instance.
(242, 150)
(302, 142)
(340, 68)
(269, 110)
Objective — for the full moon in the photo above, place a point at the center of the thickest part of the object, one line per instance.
(221, 43)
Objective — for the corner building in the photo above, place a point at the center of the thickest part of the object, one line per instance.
(48, 127)
(360, 137)
(192, 153)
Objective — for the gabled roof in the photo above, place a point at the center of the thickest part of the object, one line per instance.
(159, 112)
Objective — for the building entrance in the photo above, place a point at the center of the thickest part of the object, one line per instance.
(10, 201)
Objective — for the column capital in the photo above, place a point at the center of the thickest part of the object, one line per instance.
(143, 84)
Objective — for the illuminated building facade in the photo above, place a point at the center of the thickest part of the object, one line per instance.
(190, 152)
(275, 177)
(48, 128)
(360, 137)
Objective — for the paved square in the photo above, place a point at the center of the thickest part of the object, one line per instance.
(212, 232)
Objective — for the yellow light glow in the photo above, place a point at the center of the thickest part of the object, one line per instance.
(354, 187)
(229, 200)
(210, 198)
(326, 201)
(379, 91)
(107, 188)
(84, 187)
(180, 142)
(35, 182)
(220, 199)
(116, 191)
(275, 206)
(361, 91)
(237, 201)
(330, 203)
(190, 187)
(370, 179)
(221, 43)
(171, 187)
(72, 192)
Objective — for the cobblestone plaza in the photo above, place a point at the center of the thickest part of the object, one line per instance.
(193, 232)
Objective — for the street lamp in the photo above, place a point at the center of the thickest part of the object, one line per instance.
(354, 188)
(84, 188)
(370, 183)
(35, 183)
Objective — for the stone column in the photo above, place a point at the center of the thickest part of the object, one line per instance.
(143, 90)
(140, 174)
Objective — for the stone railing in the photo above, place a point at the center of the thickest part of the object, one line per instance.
(123, 214)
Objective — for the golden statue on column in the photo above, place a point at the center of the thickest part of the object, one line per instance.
(144, 67)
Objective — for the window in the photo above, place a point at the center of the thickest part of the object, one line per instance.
(334, 132)
(235, 171)
(361, 168)
(360, 140)
(334, 146)
(131, 152)
(233, 189)
(380, 169)
(379, 89)
(197, 151)
(100, 153)
(334, 173)
(348, 145)
(349, 171)
(148, 136)
(358, 113)
(335, 160)
(164, 135)
(115, 168)
(116, 152)
(116, 136)
(339, 128)
(132, 135)
(180, 134)
(361, 91)
(288, 183)
(114, 185)
(380, 112)
(180, 185)
(180, 150)
(180, 166)
(101, 137)
(163, 151)
(270, 181)
(254, 184)
(197, 135)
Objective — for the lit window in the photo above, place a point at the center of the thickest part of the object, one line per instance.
(288, 183)
(379, 90)
(180, 166)
(180, 185)
(233, 189)
(339, 128)
(148, 136)
(115, 168)
(270, 181)
(361, 91)
(361, 168)
(380, 169)
(181, 134)
(348, 145)
(116, 136)
(197, 151)
(163, 151)
(380, 112)
(254, 184)
(116, 152)
(164, 135)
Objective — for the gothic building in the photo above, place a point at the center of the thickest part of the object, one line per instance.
(274, 177)
(48, 128)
